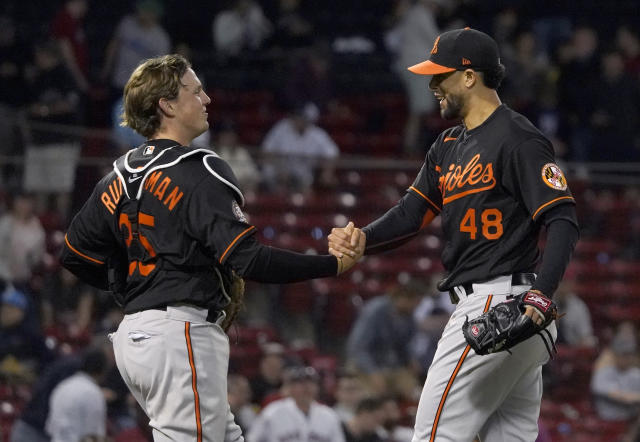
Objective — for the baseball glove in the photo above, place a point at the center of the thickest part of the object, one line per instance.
(233, 291)
(505, 324)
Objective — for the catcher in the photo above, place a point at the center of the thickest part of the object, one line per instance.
(165, 232)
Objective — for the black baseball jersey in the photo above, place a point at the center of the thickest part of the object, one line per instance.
(490, 185)
(164, 218)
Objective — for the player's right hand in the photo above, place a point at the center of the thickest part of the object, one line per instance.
(346, 240)
(347, 245)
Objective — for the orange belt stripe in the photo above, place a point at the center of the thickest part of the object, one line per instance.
(434, 428)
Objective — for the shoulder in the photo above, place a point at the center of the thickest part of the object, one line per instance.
(519, 132)
(222, 172)
(276, 408)
(325, 412)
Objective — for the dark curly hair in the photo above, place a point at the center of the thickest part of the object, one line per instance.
(152, 80)
(492, 78)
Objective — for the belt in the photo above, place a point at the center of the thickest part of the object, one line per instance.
(214, 316)
(516, 279)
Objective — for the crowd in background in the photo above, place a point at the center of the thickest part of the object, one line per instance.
(574, 72)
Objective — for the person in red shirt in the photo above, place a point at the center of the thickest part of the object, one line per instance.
(67, 30)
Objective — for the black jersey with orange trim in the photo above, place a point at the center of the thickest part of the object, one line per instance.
(491, 185)
(176, 211)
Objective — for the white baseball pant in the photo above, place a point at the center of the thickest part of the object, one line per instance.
(497, 396)
(175, 364)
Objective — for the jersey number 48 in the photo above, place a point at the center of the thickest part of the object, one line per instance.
(490, 219)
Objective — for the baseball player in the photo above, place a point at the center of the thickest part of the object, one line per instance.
(297, 417)
(165, 232)
(494, 181)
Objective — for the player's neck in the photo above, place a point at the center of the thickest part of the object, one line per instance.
(480, 108)
(175, 135)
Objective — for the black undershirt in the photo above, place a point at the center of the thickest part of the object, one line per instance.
(258, 262)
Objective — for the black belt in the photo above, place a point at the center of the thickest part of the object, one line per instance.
(516, 279)
(212, 316)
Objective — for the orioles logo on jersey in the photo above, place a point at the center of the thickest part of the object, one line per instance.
(460, 181)
(553, 177)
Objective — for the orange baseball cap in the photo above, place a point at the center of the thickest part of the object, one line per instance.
(458, 50)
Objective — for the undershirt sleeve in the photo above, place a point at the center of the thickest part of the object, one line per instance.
(562, 236)
(258, 262)
(401, 223)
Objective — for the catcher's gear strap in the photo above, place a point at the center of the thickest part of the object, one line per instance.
(133, 178)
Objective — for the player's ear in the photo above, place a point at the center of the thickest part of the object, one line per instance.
(470, 77)
(166, 106)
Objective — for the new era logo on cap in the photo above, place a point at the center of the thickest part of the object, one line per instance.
(460, 49)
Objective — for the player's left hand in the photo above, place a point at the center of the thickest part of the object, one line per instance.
(535, 315)
(347, 240)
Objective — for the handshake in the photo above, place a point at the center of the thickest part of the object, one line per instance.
(347, 245)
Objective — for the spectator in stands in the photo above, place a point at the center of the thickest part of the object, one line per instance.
(238, 157)
(310, 79)
(138, 36)
(378, 343)
(67, 30)
(239, 396)
(30, 427)
(52, 152)
(392, 429)
(141, 432)
(22, 347)
(269, 379)
(297, 150)
(240, 28)
(628, 43)
(350, 390)
(23, 241)
(68, 303)
(575, 328)
(13, 58)
(578, 61)
(616, 387)
(616, 112)
(431, 316)
(292, 28)
(418, 29)
(363, 426)
(527, 67)
(298, 416)
(77, 407)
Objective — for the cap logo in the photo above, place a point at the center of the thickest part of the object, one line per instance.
(149, 150)
(434, 50)
(465, 61)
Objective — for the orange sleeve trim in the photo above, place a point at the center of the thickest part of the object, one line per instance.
(449, 139)
(427, 218)
(73, 249)
(425, 197)
(434, 428)
(194, 380)
(237, 238)
(551, 202)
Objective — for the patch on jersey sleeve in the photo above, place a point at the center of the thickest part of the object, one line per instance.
(237, 211)
(553, 177)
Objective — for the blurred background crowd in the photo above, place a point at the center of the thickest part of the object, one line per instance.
(314, 109)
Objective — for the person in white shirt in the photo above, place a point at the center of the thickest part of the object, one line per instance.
(77, 407)
(296, 148)
(297, 417)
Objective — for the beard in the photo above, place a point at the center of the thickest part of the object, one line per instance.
(454, 107)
